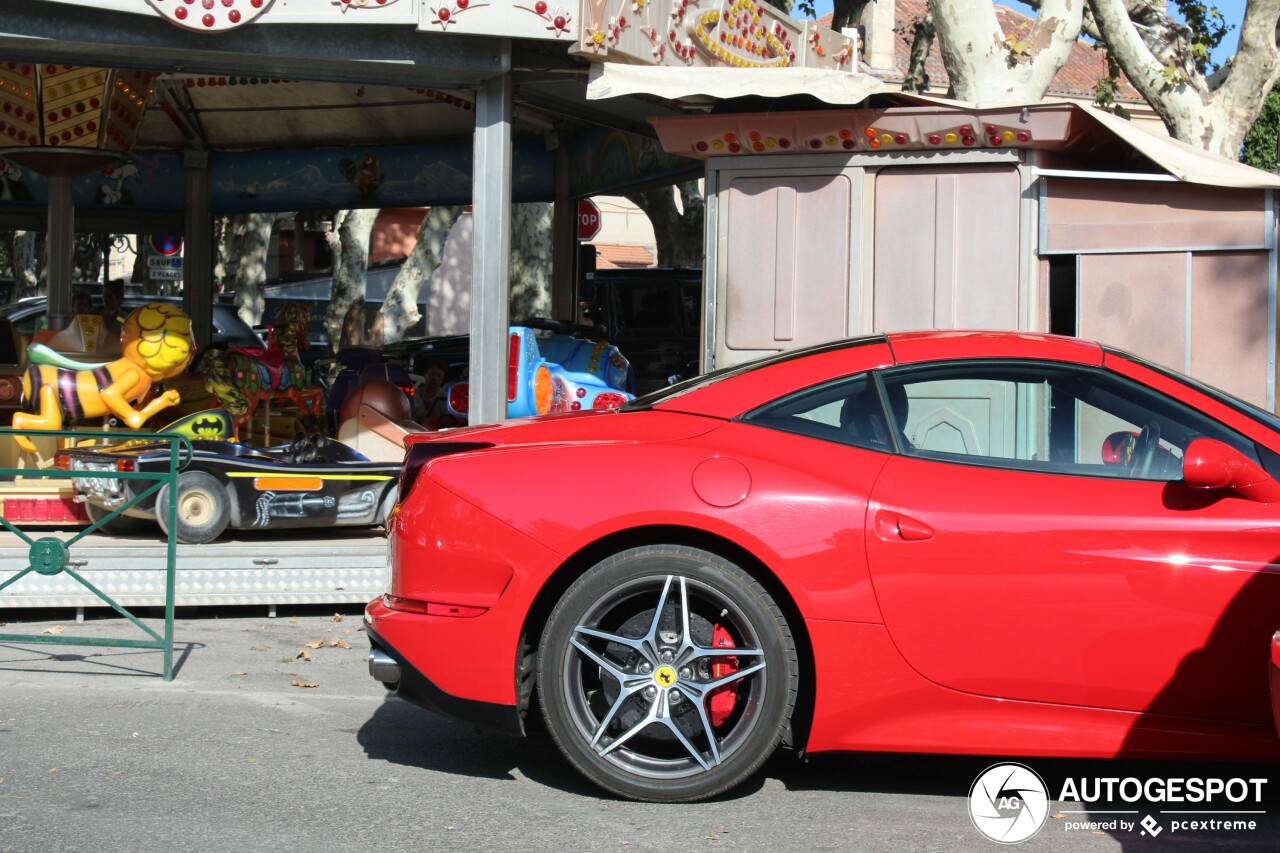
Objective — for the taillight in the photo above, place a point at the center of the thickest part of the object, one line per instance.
(126, 465)
(513, 366)
(407, 388)
(62, 462)
(459, 398)
(10, 389)
(542, 390)
(608, 400)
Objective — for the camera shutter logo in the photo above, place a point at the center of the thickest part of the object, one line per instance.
(1008, 803)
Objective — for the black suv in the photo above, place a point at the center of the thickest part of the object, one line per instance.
(654, 317)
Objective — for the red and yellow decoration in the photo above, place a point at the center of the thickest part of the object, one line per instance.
(42, 104)
(853, 131)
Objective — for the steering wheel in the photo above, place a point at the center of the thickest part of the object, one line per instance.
(316, 443)
(297, 447)
(1145, 450)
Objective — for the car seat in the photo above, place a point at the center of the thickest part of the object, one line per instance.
(375, 419)
(86, 336)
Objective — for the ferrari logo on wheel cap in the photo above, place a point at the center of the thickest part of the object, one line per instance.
(664, 676)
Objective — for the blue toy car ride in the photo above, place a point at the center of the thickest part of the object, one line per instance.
(552, 369)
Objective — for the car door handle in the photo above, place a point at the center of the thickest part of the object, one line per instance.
(893, 525)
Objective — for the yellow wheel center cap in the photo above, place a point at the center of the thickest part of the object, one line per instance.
(664, 676)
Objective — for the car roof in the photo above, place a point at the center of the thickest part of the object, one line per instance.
(729, 393)
(933, 345)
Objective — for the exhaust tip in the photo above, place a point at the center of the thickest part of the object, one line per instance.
(383, 667)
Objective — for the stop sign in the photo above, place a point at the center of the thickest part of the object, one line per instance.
(588, 219)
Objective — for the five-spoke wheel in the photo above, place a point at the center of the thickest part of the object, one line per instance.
(667, 674)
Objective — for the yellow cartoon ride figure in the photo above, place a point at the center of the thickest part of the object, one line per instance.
(155, 343)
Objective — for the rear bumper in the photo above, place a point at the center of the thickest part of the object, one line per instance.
(408, 682)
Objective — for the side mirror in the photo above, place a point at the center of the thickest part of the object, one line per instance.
(1211, 464)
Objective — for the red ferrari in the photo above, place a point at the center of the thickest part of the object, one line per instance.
(948, 542)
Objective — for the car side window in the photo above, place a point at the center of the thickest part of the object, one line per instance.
(847, 411)
(1046, 416)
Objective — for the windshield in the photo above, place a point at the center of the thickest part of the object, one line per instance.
(692, 384)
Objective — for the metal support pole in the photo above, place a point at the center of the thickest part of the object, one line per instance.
(564, 243)
(61, 243)
(197, 251)
(491, 216)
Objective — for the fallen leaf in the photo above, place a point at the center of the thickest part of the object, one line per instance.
(260, 647)
(95, 654)
(239, 673)
(335, 643)
(297, 683)
(53, 629)
(1095, 832)
(315, 644)
(293, 620)
(304, 654)
(337, 617)
(339, 587)
(1058, 816)
(361, 628)
(53, 770)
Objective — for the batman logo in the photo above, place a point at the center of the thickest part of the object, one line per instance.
(207, 426)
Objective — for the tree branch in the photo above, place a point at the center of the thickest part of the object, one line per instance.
(1255, 67)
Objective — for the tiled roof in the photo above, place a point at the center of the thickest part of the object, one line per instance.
(613, 256)
(1077, 78)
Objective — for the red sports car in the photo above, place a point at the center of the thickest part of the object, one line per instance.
(949, 542)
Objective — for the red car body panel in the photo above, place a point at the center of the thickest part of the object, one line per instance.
(1119, 569)
(949, 607)
(1275, 678)
(874, 701)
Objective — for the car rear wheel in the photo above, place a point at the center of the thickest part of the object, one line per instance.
(202, 509)
(667, 674)
(121, 525)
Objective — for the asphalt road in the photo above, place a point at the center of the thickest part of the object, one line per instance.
(252, 747)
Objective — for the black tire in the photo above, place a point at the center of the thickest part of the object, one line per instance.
(203, 508)
(121, 525)
(650, 709)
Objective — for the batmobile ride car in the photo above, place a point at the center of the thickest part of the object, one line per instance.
(310, 482)
(989, 543)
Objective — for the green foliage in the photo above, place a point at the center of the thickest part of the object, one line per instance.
(805, 7)
(1208, 29)
(1259, 149)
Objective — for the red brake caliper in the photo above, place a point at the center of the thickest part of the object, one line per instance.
(723, 699)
